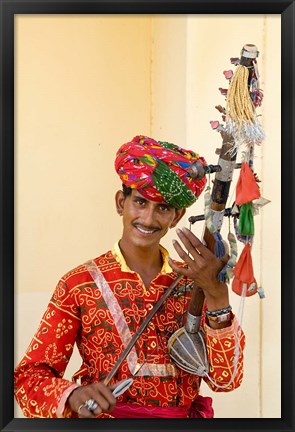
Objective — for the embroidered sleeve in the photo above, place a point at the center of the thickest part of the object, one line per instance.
(225, 354)
(39, 382)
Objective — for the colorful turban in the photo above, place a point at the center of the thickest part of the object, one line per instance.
(159, 171)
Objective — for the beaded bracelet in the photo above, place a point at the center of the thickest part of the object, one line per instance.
(218, 312)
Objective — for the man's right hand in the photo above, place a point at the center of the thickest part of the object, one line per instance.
(99, 392)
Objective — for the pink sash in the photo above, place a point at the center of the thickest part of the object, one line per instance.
(200, 408)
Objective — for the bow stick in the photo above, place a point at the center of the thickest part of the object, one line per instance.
(140, 330)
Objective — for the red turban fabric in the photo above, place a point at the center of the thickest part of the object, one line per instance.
(159, 171)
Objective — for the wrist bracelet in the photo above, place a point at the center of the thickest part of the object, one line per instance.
(225, 317)
(218, 312)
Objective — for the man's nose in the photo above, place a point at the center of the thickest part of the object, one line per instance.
(149, 216)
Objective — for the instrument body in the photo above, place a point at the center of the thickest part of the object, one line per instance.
(188, 351)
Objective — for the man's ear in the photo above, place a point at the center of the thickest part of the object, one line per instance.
(119, 199)
(179, 213)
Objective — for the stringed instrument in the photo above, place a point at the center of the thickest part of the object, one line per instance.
(187, 345)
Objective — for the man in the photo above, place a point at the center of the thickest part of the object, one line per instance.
(101, 304)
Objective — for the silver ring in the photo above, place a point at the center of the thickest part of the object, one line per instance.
(91, 405)
(79, 409)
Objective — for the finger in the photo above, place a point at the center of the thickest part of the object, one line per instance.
(103, 404)
(185, 257)
(104, 397)
(192, 243)
(77, 401)
(100, 394)
(191, 249)
(206, 253)
(177, 269)
(83, 412)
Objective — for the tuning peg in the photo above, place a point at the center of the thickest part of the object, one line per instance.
(214, 124)
(218, 151)
(257, 178)
(257, 97)
(223, 91)
(228, 74)
(220, 109)
(217, 126)
(235, 60)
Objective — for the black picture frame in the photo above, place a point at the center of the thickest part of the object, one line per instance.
(8, 8)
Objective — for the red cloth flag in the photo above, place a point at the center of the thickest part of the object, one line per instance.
(247, 189)
(243, 273)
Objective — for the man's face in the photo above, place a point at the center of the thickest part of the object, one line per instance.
(145, 222)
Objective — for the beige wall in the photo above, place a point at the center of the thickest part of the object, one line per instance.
(85, 85)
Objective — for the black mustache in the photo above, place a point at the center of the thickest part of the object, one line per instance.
(147, 228)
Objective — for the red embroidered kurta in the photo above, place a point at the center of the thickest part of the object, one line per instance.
(99, 306)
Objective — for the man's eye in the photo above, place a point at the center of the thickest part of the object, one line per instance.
(139, 201)
(164, 208)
